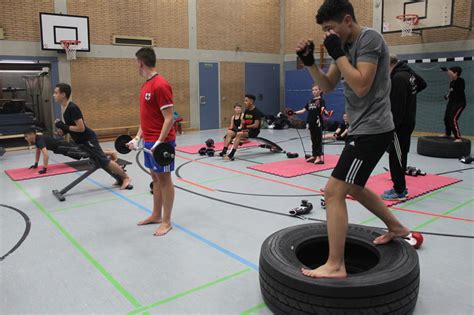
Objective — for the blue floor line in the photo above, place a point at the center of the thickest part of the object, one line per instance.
(182, 228)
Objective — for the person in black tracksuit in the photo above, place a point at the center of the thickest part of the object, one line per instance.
(456, 103)
(315, 108)
(405, 86)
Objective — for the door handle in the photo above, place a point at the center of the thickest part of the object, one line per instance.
(202, 100)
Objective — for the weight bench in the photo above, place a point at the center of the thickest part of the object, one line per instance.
(267, 144)
(82, 152)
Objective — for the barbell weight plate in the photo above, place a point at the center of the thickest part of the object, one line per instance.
(163, 154)
(121, 144)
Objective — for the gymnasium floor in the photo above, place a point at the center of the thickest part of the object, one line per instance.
(86, 255)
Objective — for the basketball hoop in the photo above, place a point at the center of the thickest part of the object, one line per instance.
(406, 22)
(70, 47)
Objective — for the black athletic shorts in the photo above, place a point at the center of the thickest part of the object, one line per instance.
(253, 133)
(360, 156)
(96, 153)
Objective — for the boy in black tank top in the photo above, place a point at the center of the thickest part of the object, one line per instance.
(250, 126)
(234, 127)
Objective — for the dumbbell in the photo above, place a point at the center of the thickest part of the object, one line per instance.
(163, 154)
(209, 151)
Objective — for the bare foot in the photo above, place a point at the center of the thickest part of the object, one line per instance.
(114, 156)
(163, 229)
(391, 234)
(458, 140)
(318, 161)
(326, 271)
(150, 220)
(126, 181)
(311, 159)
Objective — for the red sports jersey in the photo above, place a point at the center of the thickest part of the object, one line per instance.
(155, 95)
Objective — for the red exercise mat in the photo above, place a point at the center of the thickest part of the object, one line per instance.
(416, 186)
(218, 146)
(26, 173)
(296, 167)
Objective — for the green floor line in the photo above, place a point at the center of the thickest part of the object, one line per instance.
(462, 188)
(408, 203)
(447, 200)
(81, 249)
(423, 197)
(81, 205)
(214, 180)
(180, 295)
(254, 309)
(221, 179)
(418, 227)
(374, 218)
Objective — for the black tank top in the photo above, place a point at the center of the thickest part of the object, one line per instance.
(237, 121)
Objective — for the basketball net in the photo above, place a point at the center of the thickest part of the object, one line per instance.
(406, 22)
(70, 47)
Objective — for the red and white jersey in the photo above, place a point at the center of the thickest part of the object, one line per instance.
(156, 94)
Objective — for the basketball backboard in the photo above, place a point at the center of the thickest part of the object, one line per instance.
(58, 27)
(431, 14)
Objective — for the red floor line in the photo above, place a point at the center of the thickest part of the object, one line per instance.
(432, 214)
(252, 175)
(315, 190)
(195, 184)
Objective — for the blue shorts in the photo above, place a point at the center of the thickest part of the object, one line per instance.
(150, 162)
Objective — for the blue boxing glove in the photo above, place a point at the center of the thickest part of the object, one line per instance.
(333, 45)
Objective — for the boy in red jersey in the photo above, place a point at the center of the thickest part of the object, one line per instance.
(156, 126)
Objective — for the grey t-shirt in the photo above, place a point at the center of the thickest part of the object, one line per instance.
(371, 113)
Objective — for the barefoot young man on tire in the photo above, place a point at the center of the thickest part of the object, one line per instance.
(361, 57)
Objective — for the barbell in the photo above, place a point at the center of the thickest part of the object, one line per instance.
(163, 154)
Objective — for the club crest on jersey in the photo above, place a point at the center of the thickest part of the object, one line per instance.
(147, 96)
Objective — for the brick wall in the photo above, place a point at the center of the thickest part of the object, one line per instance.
(252, 26)
(164, 20)
(20, 18)
(107, 90)
(300, 22)
(232, 75)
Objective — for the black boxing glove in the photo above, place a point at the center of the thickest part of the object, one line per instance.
(333, 45)
(307, 54)
(61, 125)
(43, 171)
